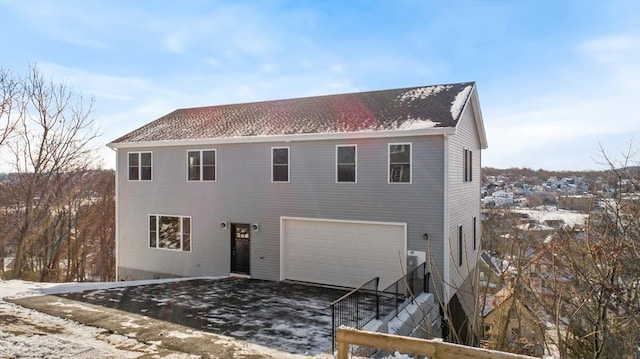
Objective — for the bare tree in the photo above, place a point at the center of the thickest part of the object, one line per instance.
(597, 277)
(581, 283)
(510, 243)
(53, 142)
(8, 87)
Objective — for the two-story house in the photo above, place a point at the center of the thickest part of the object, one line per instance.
(331, 189)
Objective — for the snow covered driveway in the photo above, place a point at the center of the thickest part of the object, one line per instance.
(207, 317)
(293, 318)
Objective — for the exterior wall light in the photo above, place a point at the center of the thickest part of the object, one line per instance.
(425, 236)
(255, 227)
(223, 224)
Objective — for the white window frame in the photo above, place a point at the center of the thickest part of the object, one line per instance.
(475, 233)
(470, 165)
(467, 165)
(139, 154)
(355, 163)
(215, 158)
(460, 245)
(410, 162)
(288, 163)
(181, 218)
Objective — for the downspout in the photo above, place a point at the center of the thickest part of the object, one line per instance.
(446, 244)
(117, 234)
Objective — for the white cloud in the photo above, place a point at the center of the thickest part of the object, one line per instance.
(337, 68)
(85, 24)
(269, 68)
(590, 103)
(613, 49)
(177, 41)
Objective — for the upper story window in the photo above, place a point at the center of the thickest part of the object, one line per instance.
(400, 163)
(201, 165)
(280, 164)
(139, 164)
(170, 232)
(346, 158)
(467, 164)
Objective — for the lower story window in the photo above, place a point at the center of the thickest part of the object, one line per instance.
(170, 232)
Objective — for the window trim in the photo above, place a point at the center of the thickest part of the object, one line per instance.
(467, 164)
(460, 245)
(465, 167)
(215, 159)
(470, 166)
(355, 163)
(475, 233)
(139, 154)
(389, 162)
(288, 148)
(179, 250)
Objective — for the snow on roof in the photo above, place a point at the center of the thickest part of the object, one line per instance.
(494, 300)
(413, 108)
(458, 103)
(422, 92)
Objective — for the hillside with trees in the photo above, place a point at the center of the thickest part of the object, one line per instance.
(56, 206)
(569, 290)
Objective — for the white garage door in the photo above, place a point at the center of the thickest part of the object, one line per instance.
(342, 253)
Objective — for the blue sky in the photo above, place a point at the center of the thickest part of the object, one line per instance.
(556, 79)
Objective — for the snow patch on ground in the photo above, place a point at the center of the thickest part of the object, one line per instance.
(542, 214)
(79, 306)
(26, 333)
(185, 335)
(21, 289)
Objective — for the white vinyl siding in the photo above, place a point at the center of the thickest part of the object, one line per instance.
(243, 193)
(463, 200)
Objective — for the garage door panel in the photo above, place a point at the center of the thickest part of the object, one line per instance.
(342, 253)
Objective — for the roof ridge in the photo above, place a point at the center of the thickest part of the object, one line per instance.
(325, 95)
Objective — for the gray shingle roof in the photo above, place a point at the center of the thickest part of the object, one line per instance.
(385, 110)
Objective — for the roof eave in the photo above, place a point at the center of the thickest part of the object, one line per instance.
(433, 131)
(479, 120)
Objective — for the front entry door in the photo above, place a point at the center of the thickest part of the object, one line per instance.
(240, 248)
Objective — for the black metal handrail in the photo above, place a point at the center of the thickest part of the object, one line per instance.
(403, 291)
(356, 308)
(365, 303)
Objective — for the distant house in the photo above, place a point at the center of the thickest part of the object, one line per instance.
(331, 189)
(498, 199)
(508, 318)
